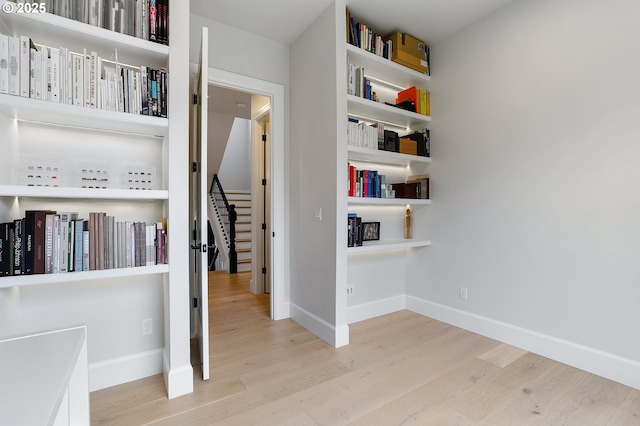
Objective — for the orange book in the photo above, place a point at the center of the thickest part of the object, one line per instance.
(410, 94)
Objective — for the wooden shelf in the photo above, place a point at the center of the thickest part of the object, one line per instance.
(383, 245)
(60, 114)
(43, 28)
(356, 153)
(368, 110)
(383, 69)
(81, 193)
(46, 279)
(370, 201)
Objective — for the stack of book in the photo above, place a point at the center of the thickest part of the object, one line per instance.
(48, 242)
(84, 78)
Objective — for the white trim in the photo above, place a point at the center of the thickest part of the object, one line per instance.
(611, 366)
(275, 92)
(374, 309)
(335, 336)
(181, 379)
(125, 369)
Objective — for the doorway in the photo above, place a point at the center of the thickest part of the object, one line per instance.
(239, 154)
(267, 119)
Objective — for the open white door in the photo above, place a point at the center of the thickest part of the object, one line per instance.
(199, 194)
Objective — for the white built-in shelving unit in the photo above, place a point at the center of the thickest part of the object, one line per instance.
(386, 75)
(69, 134)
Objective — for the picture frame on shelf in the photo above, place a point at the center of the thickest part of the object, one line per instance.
(370, 231)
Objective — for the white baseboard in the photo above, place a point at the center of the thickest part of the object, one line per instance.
(179, 381)
(375, 309)
(125, 369)
(335, 336)
(611, 366)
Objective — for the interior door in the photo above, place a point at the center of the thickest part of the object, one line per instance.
(199, 197)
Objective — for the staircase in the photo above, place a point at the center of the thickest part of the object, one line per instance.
(242, 201)
(219, 223)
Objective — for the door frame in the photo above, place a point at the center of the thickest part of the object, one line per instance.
(261, 206)
(280, 234)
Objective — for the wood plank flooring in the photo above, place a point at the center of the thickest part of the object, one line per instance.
(399, 369)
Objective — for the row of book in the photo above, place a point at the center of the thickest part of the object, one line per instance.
(358, 84)
(375, 136)
(364, 37)
(84, 79)
(368, 183)
(372, 184)
(47, 242)
(364, 135)
(145, 19)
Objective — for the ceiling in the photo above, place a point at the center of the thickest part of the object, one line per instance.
(284, 20)
(228, 101)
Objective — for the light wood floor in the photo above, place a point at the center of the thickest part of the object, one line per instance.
(398, 369)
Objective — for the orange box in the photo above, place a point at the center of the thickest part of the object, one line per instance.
(408, 146)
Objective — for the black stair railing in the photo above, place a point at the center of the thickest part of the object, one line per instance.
(228, 218)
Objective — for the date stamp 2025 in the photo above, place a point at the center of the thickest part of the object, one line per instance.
(10, 7)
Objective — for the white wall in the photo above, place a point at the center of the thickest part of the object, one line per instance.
(235, 170)
(314, 170)
(237, 51)
(536, 147)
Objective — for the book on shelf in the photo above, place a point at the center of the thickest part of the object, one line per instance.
(364, 36)
(57, 74)
(18, 244)
(25, 52)
(46, 242)
(4, 63)
(6, 249)
(365, 135)
(354, 230)
(130, 17)
(14, 66)
(366, 183)
(416, 187)
(418, 96)
(423, 181)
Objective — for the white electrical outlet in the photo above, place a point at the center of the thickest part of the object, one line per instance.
(350, 289)
(463, 293)
(147, 326)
